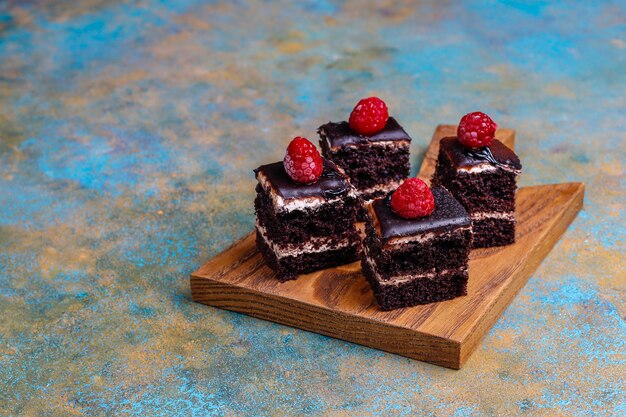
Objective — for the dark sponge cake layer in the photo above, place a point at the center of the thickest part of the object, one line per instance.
(493, 232)
(371, 165)
(486, 191)
(417, 291)
(444, 251)
(336, 218)
(289, 267)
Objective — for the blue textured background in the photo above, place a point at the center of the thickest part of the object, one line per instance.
(128, 132)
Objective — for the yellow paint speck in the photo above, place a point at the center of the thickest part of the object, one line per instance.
(290, 47)
(613, 168)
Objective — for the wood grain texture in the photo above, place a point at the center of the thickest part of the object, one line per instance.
(338, 302)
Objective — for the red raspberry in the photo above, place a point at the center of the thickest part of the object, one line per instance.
(413, 199)
(303, 162)
(369, 116)
(476, 130)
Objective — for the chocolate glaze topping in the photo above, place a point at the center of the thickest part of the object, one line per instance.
(448, 215)
(340, 134)
(331, 183)
(496, 154)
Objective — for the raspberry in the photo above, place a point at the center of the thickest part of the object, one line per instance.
(369, 116)
(413, 199)
(303, 162)
(476, 130)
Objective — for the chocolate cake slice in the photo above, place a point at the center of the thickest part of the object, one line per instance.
(417, 261)
(484, 180)
(304, 228)
(376, 164)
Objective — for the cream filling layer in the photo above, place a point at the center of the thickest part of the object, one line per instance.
(400, 279)
(422, 238)
(493, 215)
(292, 204)
(388, 186)
(312, 245)
(486, 167)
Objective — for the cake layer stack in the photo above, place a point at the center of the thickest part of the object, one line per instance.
(302, 228)
(420, 260)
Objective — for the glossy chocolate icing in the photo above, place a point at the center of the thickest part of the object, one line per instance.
(448, 215)
(496, 154)
(339, 134)
(331, 183)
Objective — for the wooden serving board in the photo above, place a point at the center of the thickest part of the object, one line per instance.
(338, 302)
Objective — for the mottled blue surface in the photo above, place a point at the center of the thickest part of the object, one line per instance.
(128, 131)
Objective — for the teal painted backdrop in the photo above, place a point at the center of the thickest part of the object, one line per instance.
(129, 131)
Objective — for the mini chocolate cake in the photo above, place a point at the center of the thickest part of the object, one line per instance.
(304, 228)
(376, 164)
(484, 180)
(417, 261)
